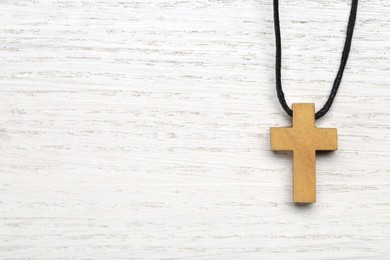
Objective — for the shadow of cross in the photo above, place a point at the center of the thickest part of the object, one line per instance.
(304, 139)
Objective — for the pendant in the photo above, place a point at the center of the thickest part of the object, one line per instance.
(304, 139)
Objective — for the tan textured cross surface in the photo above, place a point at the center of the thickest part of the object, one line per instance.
(304, 139)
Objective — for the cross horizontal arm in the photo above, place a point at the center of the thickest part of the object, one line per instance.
(281, 139)
(326, 139)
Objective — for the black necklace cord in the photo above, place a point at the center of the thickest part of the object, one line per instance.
(344, 58)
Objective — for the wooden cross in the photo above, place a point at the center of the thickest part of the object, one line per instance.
(304, 139)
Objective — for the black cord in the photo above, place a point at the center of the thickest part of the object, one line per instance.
(344, 58)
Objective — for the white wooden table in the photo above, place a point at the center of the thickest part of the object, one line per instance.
(140, 130)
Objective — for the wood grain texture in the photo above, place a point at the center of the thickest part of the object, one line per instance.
(140, 130)
(303, 139)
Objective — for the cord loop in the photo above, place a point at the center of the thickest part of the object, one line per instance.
(278, 63)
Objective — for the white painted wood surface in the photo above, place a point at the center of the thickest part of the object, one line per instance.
(140, 130)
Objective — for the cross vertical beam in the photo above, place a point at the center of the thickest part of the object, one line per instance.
(304, 139)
